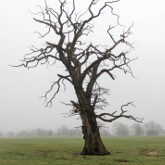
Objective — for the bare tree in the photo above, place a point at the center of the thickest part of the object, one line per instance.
(84, 63)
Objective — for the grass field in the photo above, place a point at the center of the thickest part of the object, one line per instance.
(65, 151)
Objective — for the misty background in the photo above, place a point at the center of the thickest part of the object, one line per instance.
(21, 107)
(150, 128)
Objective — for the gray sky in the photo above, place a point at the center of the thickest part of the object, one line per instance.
(20, 89)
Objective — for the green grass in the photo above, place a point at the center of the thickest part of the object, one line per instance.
(65, 151)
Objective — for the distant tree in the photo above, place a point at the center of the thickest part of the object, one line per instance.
(62, 131)
(137, 129)
(84, 62)
(50, 133)
(163, 132)
(10, 134)
(153, 129)
(65, 131)
(75, 132)
(1, 134)
(23, 134)
(120, 129)
(41, 132)
(105, 132)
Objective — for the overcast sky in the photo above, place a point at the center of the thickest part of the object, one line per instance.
(20, 89)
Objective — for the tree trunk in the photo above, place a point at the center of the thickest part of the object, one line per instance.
(93, 142)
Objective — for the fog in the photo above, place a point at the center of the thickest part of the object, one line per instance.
(116, 129)
(20, 89)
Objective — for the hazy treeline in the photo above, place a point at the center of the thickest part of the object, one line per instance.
(148, 129)
(62, 131)
(118, 129)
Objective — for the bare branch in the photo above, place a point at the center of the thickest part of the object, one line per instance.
(113, 116)
(58, 85)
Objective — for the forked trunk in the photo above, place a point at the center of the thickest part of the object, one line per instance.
(93, 142)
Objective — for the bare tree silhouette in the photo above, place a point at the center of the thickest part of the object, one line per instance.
(84, 63)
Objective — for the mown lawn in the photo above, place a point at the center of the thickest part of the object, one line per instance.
(65, 151)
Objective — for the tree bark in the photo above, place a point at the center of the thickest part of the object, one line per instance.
(93, 142)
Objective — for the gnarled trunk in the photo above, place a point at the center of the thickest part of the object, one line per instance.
(93, 142)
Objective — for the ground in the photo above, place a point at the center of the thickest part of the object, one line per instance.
(65, 151)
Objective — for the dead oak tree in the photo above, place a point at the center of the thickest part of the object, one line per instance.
(84, 63)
